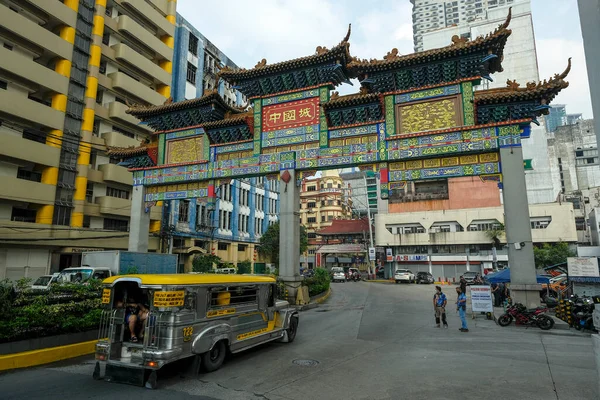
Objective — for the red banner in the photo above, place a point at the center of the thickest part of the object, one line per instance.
(290, 115)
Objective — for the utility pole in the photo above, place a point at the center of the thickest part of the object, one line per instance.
(371, 262)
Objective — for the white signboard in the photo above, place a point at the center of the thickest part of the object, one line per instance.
(583, 266)
(388, 255)
(371, 253)
(481, 298)
(413, 257)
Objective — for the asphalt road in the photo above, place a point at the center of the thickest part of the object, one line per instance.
(370, 341)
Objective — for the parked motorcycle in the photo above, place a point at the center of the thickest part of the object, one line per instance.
(523, 316)
(582, 309)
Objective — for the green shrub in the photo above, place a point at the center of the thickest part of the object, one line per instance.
(244, 267)
(319, 283)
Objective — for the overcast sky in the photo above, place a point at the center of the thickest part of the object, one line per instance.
(248, 31)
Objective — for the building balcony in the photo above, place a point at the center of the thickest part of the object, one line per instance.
(95, 176)
(114, 206)
(108, 205)
(127, 26)
(118, 110)
(145, 10)
(116, 139)
(19, 106)
(14, 189)
(33, 36)
(408, 198)
(31, 74)
(24, 149)
(127, 55)
(126, 84)
(56, 13)
(116, 173)
(161, 5)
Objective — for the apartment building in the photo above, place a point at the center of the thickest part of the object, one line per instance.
(448, 243)
(322, 200)
(68, 69)
(574, 150)
(364, 192)
(431, 15)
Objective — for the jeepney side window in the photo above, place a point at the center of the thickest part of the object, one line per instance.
(244, 295)
(190, 301)
(219, 297)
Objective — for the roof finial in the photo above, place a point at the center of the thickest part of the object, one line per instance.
(347, 37)
(565, 72)
(508, 18)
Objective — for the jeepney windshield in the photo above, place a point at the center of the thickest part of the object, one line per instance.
(75, 275)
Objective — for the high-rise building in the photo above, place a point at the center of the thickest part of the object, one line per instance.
(245, 208)
(67, 71)
(520, 64)
(322, 200)
(557, 116)
(363, 191)
(575, 151)
(589, 16)
(431, 15)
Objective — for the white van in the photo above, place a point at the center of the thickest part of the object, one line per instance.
(226, 271)
(83, 274)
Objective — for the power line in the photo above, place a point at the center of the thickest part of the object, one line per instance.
(59, 239)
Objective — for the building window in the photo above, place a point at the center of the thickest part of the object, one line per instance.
(580, 224)
(191, 73)
(184, 210)
(3, 85)
(87, 221)
(29, 175)
(311, 235)
(119, 193)
(8, 46)
(62, 215)
(116, 224)
(106, 38)
(223, 246)
(193, 45)
(22, 215)
(311, 188)
(322, 218)
(102, 68)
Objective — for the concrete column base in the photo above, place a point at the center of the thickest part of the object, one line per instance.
(596, 345)
(292, 285)
(528, 295)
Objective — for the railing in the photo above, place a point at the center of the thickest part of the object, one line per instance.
(107, 325)
(154, 323)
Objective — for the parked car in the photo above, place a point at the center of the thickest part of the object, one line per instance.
(338, 275)
(404, 275)
(470, 277)
(44, 282)
(424, 277)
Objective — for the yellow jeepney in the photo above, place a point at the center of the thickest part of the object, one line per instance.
(185, 315)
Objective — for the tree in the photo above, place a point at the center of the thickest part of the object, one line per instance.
(552, 254)
(244, 267)
(269, 242)
(204, 262)
(495, 234)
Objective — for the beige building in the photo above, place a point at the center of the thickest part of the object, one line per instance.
(322, 200)
(67, 70)
(449, 242)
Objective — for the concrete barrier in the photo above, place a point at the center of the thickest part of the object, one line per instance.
(45, 356)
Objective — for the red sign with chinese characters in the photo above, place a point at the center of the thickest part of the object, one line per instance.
(290, 115)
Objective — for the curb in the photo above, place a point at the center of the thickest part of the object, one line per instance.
(380, 281)
(46, 356)
(442, 283)
(322, 298)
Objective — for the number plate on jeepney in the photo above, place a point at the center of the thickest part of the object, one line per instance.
(187, 333)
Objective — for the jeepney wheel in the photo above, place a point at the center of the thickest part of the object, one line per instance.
(213, 359)
(292, 329)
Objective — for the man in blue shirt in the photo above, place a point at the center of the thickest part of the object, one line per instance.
(439, 305)
(461, 307)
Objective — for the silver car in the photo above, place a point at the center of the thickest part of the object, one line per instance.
(404, 275)
(338, 274)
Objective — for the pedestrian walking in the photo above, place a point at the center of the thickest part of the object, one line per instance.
(461, 307)
(439, 305)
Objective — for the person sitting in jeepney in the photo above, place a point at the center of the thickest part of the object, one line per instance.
(136, 315)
